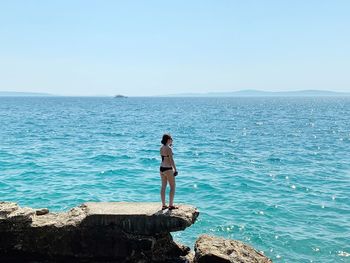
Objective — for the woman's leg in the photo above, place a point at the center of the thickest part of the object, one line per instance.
(162, 190)
(171, 180)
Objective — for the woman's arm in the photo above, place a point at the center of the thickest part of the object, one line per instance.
(172, 159)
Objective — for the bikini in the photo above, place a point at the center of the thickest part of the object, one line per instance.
(163, 169)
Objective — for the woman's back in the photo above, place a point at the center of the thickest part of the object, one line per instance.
(165, 153)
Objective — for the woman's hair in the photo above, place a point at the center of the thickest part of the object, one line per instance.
(165, 138)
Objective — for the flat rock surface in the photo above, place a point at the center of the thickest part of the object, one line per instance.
(121, 208)
(216, 249)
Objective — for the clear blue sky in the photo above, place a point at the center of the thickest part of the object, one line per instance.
(164, 47)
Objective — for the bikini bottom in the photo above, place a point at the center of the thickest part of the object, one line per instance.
(163, 169)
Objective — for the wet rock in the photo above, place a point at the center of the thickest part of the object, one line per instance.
(219, 250)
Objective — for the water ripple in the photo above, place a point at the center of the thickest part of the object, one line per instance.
(273, 172)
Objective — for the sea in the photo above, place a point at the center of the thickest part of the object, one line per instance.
(273, 172)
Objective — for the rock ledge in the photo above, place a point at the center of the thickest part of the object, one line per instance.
(126, 232)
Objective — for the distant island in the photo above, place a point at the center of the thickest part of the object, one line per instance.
(260, 93)
(240, 93)
(23, 94)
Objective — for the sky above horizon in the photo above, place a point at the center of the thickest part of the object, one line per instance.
(141, 48)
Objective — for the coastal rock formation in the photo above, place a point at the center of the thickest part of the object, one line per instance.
(209, 249)
(121, 232)
(111, 232)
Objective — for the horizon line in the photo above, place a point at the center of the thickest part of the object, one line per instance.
(245, 92)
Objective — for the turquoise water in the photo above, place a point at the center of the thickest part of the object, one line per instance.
(272, 172)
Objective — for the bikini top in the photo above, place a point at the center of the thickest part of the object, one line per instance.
(163, 156)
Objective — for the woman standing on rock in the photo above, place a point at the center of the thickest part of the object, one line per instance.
(167, 171)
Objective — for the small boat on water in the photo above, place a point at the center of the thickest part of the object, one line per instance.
(120, 96)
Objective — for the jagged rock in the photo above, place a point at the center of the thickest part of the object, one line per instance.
(209, 249)
(189, 258)
(122, 232)
(6, 208)
(11, 215)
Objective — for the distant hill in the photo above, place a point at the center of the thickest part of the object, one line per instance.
(259, 93)
(23, 94)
